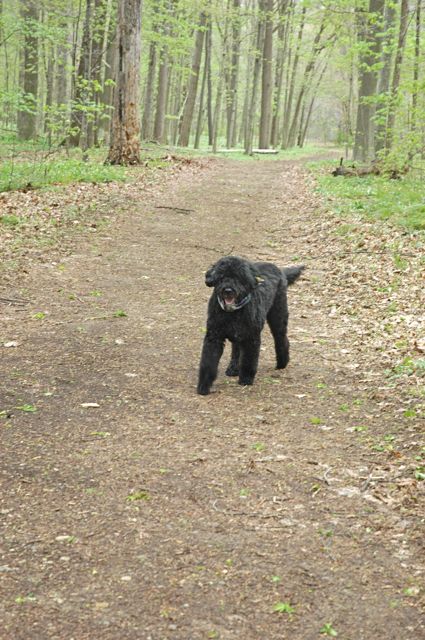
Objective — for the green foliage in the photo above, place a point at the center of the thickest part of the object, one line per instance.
(40, 172)
(401, 202)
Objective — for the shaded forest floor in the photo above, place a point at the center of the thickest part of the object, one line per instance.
(131, 508)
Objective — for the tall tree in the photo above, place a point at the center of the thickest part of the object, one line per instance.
(125, 132)
(395, 84)
(267, 75)
(27, 115)
(370, 32)
(187, 117)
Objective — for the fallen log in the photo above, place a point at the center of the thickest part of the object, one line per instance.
(373, 169)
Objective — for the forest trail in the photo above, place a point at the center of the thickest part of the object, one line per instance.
(258, 513)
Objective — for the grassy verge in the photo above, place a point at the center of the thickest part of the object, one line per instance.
(35, 165)
(401, 202)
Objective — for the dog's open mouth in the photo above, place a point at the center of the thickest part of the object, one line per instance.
(229, 299)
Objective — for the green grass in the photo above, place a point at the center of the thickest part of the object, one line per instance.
(34, 164)
(39, 173)
(401, 202)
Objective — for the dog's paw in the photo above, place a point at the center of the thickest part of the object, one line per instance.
(246, 381)
(232, 371)
(203, 390)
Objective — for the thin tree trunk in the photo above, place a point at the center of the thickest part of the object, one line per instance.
(371, 37)
(267, 76)
(416, 64)
(383, 89)
(317, 47)
(27, 119)
(252, 110)
(233, 75)
(282, 37)
(149, 89)
(161, 97)
(200, 121)
(78, 115)
(288, 105)
(125, 132)
(208, 50)
(404, 23)
(189, 108)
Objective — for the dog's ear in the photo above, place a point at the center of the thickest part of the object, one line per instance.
(252, 275)
(211, 276)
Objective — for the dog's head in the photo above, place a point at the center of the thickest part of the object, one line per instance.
(233, 280)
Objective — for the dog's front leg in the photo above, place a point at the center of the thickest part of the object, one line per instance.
(233, 367)
(250, 352)
(211, 353)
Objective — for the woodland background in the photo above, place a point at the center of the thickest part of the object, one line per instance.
(215, 74)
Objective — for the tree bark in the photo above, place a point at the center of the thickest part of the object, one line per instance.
(189, 107)
(252, 109)
(161, 97)
(282, 37)
(149, 89)
(231, 106)
(78, 115)
(27, 119)
(125, 133)
(290, 95)
(384, 77)
(267, 76)
(404, 23)
(371, 37)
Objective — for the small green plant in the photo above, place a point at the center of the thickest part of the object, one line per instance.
(420, 473)
(276, 579)
(283, 607)
(315, 420)
(138, 495)
(9, 220)
(120, 314)
(258, 446)
(328, 630)
(40, 315)
(27, 408)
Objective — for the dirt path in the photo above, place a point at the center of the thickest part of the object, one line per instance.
(159, 514)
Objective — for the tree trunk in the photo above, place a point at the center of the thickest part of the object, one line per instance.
(416, 64)
(267, 76)
(125, 132)
(371, 37)
(290, 95)
(148, 100)
(252, 110)
(27, 118)
(404, 23)
(282, 36)
(78, 115)
(385, 77)
(200, 121)
(208, 50)
(161, 97)
(308, 72)
(231, 106)
(189, 107)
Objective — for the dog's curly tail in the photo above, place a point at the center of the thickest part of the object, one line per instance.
(293, 273)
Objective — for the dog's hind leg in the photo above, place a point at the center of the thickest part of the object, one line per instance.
(233, 367)
(277, 319)
(250, 352)
(211, 353)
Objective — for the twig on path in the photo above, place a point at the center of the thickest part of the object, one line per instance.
(14, 301)
(177, 209)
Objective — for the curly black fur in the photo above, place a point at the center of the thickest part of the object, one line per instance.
(246, 294)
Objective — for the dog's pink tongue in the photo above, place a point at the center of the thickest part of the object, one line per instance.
(229, 299)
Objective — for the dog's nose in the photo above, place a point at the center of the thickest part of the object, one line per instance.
(228, 290)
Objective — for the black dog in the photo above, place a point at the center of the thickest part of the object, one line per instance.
(246, 294)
